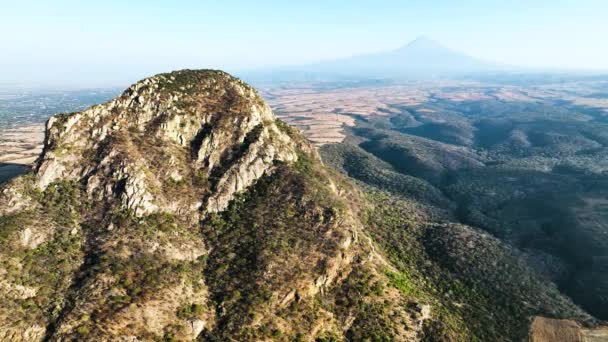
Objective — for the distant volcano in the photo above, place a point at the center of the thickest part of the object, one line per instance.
(421, 56)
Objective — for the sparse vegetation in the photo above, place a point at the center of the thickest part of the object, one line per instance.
(302, 253)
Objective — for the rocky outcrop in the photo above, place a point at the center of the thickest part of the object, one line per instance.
(182, 210)
(222, 127)
(31, 333)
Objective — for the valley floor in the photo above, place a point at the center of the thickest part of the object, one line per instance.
(19, 148)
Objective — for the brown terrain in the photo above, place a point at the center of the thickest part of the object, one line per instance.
(322, 114)
(564, 330)
(19, 148)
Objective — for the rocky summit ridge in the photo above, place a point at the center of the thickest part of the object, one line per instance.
(220, 121)
(183, 210)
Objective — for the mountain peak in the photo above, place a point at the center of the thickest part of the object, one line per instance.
(208, 123)
(425, 44)
(168, 212)
(422, 57)
(423, 41)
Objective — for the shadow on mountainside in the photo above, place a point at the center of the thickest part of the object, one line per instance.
(9, 171)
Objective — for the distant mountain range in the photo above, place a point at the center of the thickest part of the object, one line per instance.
(421, 58)
(423, 55)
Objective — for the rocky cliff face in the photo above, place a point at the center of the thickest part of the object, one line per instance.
(184, 210)
(164, 128)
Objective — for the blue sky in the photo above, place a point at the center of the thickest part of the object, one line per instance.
(116, 42)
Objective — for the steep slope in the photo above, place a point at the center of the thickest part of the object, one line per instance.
(480, 287)
(534, 179)
(183, 210)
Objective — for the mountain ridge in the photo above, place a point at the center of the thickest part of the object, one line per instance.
(183, 210)
(420, 55)
(422, 58)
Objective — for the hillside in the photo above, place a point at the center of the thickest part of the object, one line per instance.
(183, 210)
(532, 173)
(135, 223)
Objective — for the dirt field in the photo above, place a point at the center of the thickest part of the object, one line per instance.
(322, 114)
(19, 148)
(21, 145)
(563, 330)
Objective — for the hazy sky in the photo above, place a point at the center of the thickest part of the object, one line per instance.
(116, 42)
